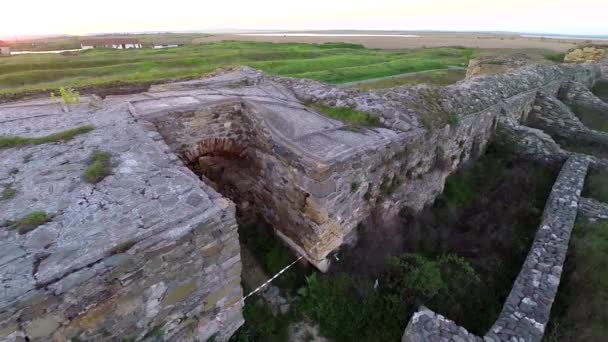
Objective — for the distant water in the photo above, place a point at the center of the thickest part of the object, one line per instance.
(39, 52)
(327, 35)
(561, 37)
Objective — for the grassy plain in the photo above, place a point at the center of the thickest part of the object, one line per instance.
(331, 62)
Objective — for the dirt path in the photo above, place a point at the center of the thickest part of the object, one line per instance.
(370, 80)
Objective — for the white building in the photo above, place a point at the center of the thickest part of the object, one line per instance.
(161, 45)
(5, 49)
(111, 43)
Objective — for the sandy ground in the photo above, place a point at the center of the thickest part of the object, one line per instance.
(483, 41)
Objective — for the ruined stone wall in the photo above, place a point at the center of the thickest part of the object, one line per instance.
(594, 210)
(149, 252)
(527, 308)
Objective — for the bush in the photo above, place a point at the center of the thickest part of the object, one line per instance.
(68, 96)
(354, 309)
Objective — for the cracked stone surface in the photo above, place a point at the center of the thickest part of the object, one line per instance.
(154, 247)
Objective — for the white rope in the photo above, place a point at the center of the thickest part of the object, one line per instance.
(259, 288)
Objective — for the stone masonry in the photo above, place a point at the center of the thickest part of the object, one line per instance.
(152, 251)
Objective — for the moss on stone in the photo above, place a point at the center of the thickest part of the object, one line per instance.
(99, 168)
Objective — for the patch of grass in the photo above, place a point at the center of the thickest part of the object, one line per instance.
(596, 185)
(556, 57)
(8, 192)
(334, 63)
(579, 312)
(272, 254)
(348, 115)
(261, 324)
(99, 168)
(592, 117)
(601, 90)
(16, 141)
(30, 222)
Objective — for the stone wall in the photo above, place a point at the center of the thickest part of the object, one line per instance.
(593, 210)
(526, 311)
(555, 117)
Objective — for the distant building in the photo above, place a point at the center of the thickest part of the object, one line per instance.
(5, 50)
(111, 43)
(166, 45)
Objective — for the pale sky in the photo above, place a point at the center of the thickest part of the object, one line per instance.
(87, 16)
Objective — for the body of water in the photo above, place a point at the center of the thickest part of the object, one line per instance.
(327, 35)
(562, 37)
(39, 52)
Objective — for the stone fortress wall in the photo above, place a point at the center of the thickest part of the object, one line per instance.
(153, 251)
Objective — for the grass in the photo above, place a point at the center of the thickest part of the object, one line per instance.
(348, 115)
(16, 141)
(8, 192)
(592, 117)
(437, 77)
(579, 312)
(31, 222)
(99, 168)
(596, 185)
(334, 63)
(601, 90)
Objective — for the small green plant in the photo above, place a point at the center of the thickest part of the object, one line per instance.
(16, 141)
(8, 192)
(31, 222)
(99, 168)
(453, 120)
(389, 184)
(68, 96)
(354, 186)
(348, 115)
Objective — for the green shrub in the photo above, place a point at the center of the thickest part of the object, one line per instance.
(68, 96)
(99, 168)
(16, 141)
(556, 57)
(348, 308)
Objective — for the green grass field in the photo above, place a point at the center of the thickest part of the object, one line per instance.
(330, 62)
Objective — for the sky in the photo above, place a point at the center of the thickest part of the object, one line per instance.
(583, 17)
